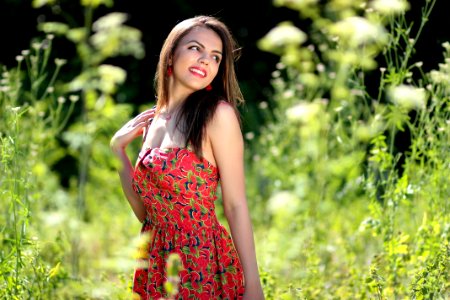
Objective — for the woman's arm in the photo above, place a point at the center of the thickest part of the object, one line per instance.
(227, 144)
(131, 130)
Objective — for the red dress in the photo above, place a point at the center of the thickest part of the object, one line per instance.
(179, 190)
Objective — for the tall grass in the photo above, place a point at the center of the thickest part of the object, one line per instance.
(351, 215)
(32, 114)
(340, 210)
(61, 242)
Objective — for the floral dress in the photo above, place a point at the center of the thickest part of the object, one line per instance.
(179, 190)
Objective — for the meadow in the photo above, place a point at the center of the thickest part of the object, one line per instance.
(341, 208)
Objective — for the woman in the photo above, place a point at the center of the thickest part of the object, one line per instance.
(192, 143)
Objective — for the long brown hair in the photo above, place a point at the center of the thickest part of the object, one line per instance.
(198, 109)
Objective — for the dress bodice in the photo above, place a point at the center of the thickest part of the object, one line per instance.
(177, 187)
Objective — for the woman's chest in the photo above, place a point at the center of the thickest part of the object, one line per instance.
(163, 134)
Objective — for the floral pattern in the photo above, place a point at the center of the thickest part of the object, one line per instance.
(179, 192)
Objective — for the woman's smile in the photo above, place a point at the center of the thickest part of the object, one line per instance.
(198, 71)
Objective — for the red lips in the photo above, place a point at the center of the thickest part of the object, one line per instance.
(198, 71)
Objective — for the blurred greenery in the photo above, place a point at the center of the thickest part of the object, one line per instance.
(346, 157)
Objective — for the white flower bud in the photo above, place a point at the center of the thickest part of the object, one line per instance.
(407, 96)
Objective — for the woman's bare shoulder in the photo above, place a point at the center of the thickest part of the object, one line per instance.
(225, 112)
(224, 124)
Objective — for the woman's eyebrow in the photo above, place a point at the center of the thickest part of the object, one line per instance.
(201, 45)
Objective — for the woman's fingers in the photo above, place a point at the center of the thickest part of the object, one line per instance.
(132, 129)
(147, 113)
(144, 117)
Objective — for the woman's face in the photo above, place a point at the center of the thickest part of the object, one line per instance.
(197, 58)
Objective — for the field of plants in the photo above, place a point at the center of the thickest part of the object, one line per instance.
(342, 207)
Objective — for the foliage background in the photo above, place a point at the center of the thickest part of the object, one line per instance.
(361, 219)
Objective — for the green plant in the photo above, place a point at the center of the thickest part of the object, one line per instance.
(342, 200)
(33, 112)
(49, 241)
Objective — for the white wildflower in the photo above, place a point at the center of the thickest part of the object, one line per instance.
(320, 68)
(36, 45)
(112, 73)
(439, 77)
(446, 46)
(358, 31)
(390, 7)
(250, 135)
(283, 203)
(111, 20)
(407, 96)
(60, 61)
(303, 112)
(283, 35)
(74, 98)
(276, 74)
(54, 218)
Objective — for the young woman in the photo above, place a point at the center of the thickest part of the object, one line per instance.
(192, 143)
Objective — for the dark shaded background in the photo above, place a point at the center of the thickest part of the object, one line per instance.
(248, 20)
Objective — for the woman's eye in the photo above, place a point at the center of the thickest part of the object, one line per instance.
(216, 58)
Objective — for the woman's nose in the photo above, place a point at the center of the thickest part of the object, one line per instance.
(204, 59)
